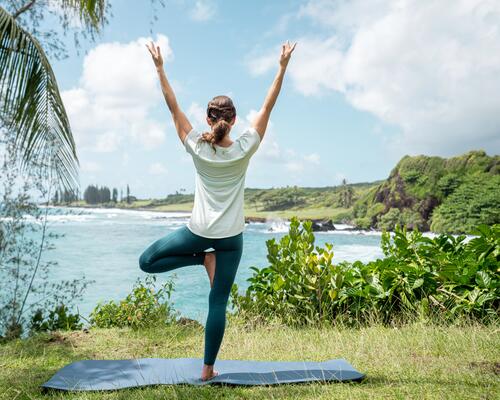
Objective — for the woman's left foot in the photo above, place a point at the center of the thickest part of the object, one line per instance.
(206, 377)
(209, 264)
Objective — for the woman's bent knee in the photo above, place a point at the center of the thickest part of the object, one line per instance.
(145, 262)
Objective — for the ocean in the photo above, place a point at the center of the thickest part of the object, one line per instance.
(104, 245)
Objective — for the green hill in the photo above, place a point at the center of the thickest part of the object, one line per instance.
(431, 193)
(443, 195)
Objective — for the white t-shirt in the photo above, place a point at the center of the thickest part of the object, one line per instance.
(220, 183)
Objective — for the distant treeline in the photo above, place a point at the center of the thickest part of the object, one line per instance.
(94, 194)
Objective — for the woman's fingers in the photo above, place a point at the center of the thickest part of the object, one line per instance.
(151, 47)
(287, 48)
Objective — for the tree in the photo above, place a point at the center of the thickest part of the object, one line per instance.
(115, 195)
(26, 282)
(30, 102)
(128, 194)
(55, 199)
(346, 195)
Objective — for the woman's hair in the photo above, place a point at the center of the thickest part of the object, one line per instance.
(221, 111)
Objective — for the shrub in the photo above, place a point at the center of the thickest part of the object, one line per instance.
(293, 286)
(363, 223)
(419, 277)
(143, 308)
(57, 319)
(390, 219)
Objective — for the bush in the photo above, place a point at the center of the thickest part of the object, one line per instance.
(390, 219)
(419, 277)
(363, 223)
(143, 308)
(292, 286)
(57, 319)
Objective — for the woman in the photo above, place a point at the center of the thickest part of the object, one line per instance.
(217, 220)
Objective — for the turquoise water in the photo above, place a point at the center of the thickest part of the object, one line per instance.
(104, 245)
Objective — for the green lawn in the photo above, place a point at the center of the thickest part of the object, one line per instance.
(413, 362)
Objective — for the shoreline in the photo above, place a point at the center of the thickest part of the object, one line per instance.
(319, 224)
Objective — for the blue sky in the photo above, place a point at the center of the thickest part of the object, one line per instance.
(367, 83)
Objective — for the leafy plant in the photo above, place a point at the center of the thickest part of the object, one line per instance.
(57, 319)
(444, 277)
(144, 307)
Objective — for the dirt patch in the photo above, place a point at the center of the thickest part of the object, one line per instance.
(486, 366)
(56, 338)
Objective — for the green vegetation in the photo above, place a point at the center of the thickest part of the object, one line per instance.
(306, 203)
(31, 105)
(412, 362)
(57, 319)
(420, 278)
(144, 307)
(476, 201)
(420, 323)
(447, 195)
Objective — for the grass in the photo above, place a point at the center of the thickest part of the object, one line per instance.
(312, 212)
(413, 362)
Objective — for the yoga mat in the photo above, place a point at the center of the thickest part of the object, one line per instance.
(118, 374)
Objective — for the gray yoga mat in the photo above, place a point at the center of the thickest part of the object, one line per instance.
(119, 374)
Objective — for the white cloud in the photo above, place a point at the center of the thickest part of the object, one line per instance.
(107, 142)
(116, 95)
(197, 116)
(158, 169)
(203, 10)
(431, 68)
(269, 151)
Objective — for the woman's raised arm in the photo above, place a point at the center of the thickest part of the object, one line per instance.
(260, 122)
(181, 122)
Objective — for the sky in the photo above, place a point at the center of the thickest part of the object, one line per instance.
(368, 82)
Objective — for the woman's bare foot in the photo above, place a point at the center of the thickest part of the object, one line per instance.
(209, 264)
(208, 372)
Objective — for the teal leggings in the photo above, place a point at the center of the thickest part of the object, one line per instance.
(183, 247)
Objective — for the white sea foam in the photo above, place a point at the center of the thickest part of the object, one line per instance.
(138, 213)
(343, 226)
(277, 225)
(54, 218)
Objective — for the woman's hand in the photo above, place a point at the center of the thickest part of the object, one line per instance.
(155, 53)
(286, 52)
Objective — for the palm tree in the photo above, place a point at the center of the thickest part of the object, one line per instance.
(30, 102)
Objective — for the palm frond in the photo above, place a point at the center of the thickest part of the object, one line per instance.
(30, 97)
